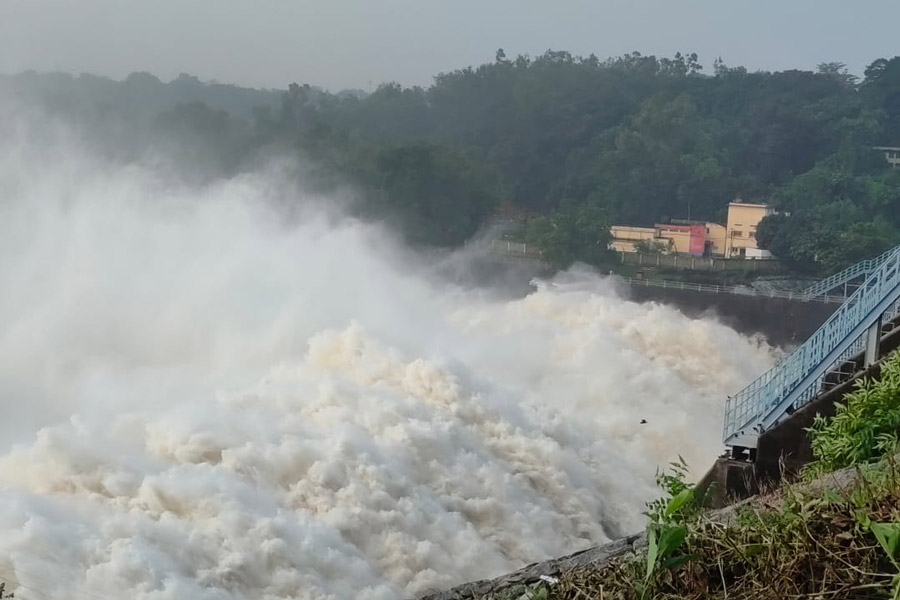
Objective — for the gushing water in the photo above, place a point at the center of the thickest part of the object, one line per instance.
(203, 399)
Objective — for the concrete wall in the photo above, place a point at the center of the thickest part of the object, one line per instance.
(698, 263)
(686, 239)
(715, 236)
(782, 322)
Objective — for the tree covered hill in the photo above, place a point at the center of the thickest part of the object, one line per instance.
(140, 95)
(636, 138)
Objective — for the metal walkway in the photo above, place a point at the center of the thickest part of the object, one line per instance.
(798, 378)
(847, 276)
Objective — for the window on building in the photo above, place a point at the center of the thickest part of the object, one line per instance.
(737, 233)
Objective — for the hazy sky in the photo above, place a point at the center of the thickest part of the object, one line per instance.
(356, 43)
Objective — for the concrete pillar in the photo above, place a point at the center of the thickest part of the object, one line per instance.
(873, 342)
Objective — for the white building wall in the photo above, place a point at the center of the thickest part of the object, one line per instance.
(757, 253)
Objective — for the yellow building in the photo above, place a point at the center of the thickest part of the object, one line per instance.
(625, 237)
(715, 239)
(743, 218)
(679, 237)
(736, 239)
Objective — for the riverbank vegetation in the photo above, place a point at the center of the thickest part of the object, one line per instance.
(556, 138)
(836, 542)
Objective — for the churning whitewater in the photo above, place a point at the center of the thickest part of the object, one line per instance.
(204, 398)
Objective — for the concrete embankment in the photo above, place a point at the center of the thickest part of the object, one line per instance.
(518, 580)
(781, 321)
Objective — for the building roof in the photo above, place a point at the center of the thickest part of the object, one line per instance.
(633, 228)
(678, 227)
(753, 204)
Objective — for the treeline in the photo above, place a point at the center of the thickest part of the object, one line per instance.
(576, 142)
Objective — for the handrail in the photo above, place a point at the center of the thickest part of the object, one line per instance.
(816, 292)
(516, 248)
(736, 290)
(797, 378)
(849, 274)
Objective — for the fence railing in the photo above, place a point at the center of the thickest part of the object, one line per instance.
(516, 249)
(860, 269)
(798, 378)
(697, 263)
(679, 261)
(736, 290)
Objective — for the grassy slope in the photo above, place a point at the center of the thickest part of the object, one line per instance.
(806, 541)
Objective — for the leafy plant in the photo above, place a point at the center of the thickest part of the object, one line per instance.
(541, 593)
(865, 426)
(678, 501)
(667, 531)
(888, 535)
(662, 542)
(532, 592)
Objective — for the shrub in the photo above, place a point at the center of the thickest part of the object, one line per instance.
(865, 426)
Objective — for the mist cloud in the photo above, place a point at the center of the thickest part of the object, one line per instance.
(212, 402)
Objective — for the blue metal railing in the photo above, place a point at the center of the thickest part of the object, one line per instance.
(851, 273)
(798, 378)
(732, 289)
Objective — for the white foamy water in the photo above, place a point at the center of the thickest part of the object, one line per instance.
(200, 401)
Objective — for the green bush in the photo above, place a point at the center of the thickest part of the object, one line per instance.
(865, 426)
(573, 234)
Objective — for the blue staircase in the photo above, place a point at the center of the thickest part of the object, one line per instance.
(799, 377)
(850, 274)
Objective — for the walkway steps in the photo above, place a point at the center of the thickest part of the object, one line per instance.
(797, 379)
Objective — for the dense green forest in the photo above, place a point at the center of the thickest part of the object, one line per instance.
(571, 143)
